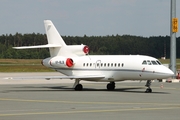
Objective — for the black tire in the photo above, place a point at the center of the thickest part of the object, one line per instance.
(148, 90)
(110, 86)
(78, 87)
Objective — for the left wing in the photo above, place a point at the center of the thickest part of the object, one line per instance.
(60, 77)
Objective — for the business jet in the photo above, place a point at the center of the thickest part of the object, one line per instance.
(75, 63)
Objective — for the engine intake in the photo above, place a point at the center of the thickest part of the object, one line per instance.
(69, 62)
(58, 61)
(86, 49)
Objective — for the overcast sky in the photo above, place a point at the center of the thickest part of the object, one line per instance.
(88, 17)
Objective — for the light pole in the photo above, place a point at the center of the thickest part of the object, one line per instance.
(173, 30)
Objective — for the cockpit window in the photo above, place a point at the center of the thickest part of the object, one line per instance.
(154, 62)
(149, 62)
(144, 62)
(158, 62)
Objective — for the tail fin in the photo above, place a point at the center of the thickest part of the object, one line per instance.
(53, 35)
(55, 41)
(56, 45)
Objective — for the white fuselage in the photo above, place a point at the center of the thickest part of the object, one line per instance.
(74, 62)
(114, 67)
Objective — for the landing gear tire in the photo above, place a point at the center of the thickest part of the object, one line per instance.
(148, 90)
(110, 86)
(78, 87)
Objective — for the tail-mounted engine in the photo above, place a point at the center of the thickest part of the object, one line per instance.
(57, 62)
(79, 50)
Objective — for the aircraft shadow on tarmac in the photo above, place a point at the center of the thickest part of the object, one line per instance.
(67, 88)
(129, 89)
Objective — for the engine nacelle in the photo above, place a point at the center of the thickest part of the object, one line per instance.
(58, 61)
(78, 49)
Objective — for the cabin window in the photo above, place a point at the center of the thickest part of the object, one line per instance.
(111, 64)
(122, 64)
(104, 64)
(84, 64)
(115, 64)
(97, 64)
(101, 64)
(118, 64)
(90, 64)
(108, 64)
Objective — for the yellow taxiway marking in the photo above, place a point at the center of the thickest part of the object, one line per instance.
(88, 111)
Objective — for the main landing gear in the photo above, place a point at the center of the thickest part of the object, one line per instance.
(77, 86)
(148, 84)
(110, 86)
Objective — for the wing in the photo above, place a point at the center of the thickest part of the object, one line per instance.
(84, 77)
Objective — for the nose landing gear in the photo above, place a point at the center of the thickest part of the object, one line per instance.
(148, 84)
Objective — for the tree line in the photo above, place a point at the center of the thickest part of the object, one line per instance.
(155, 46)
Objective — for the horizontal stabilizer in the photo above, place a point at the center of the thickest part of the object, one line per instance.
(38, 46)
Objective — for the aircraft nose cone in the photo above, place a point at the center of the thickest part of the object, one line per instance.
(170, 72)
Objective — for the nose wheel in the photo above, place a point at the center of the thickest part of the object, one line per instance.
(148, 84)
(148, 90)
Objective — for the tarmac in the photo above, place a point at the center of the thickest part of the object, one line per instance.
(57, 100)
